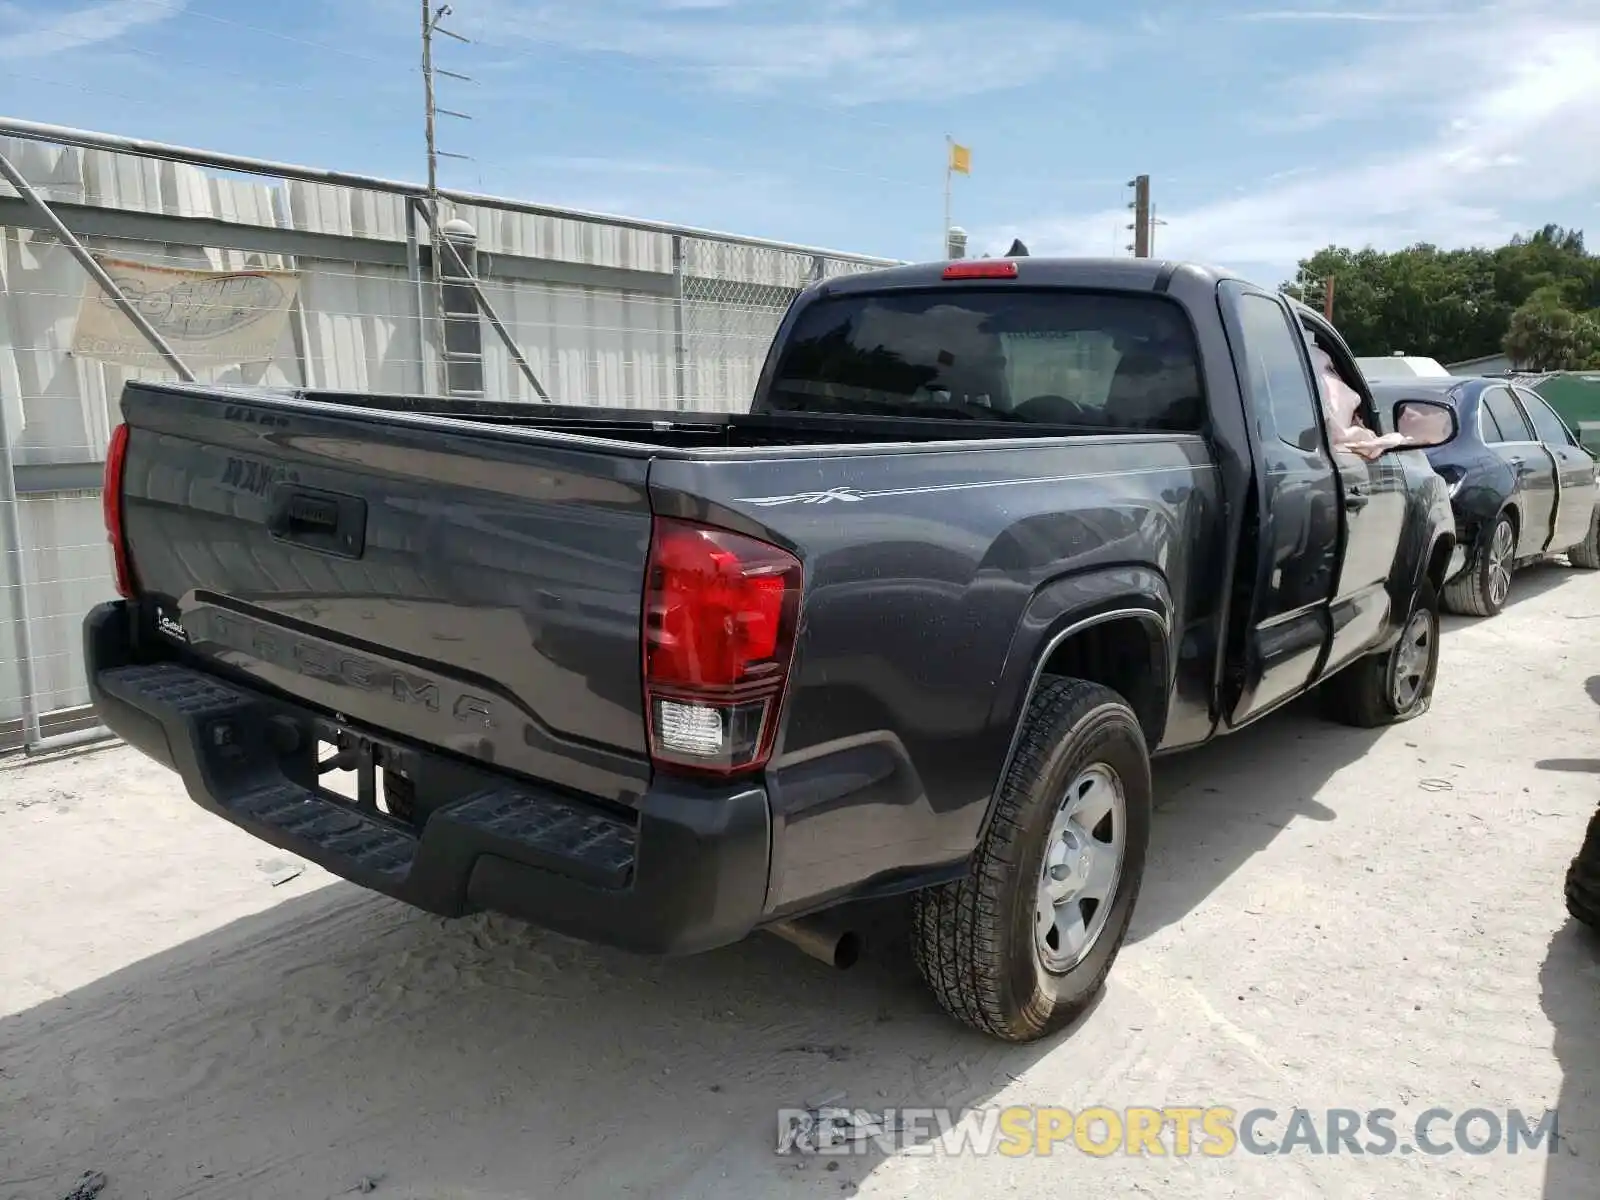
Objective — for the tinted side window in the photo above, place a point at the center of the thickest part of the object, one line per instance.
(1278, 373)
(1546, 423)
(1513, 425)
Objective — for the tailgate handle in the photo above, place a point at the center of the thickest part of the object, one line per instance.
(312, 513)
(327, 521)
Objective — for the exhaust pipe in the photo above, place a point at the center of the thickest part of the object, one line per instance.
(822, 939)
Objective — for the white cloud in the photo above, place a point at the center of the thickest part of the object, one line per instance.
(1356, 16)
(30, 34)
(849, 52)
(1514, 103)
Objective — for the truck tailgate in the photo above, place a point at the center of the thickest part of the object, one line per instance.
(472, 587)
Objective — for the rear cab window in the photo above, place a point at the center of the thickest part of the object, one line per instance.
(1111, 362)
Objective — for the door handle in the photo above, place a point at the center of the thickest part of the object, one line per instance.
(1516, 462)
(1355, 499)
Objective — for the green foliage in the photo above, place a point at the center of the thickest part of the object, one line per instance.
(1545, 336)
(1458, 304)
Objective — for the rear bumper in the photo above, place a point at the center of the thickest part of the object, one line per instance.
(687, 872)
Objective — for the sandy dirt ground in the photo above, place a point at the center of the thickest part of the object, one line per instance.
(1330, 918)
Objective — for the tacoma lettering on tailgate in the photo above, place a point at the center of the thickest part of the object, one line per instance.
(304, 656)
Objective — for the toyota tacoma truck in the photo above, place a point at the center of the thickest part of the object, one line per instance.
(991, 534)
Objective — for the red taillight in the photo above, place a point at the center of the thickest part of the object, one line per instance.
(111, 507)
(981, 268)
(720, 611)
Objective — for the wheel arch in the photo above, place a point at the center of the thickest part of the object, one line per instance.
(1124, 649)
(1122, 643)
(1510, 509)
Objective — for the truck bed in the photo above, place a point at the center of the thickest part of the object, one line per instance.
(685, 429)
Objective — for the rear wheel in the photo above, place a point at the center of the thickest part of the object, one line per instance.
(1481, 590)
(1023, 943)
(1396, 685)
(1586, 554)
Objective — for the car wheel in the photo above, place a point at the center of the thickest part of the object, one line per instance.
(1586, 554)
(1397, 684)
(1481, 591)
(1583, 878)
(1023, 943)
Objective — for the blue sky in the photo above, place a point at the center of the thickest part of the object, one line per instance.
(1269, 130)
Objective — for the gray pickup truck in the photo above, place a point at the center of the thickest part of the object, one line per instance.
(992, 533)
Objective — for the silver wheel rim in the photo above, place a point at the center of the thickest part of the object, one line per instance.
(1411, 659)
(1500, 563)
(1082, 864)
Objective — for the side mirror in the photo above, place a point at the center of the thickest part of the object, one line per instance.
(1425, 424)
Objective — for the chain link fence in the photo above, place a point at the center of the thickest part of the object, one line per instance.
(269, 274)
(733, 298)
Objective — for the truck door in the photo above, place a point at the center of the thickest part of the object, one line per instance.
(1575, 471)
(1290, 558)
(1534, 490)
(1373, 507)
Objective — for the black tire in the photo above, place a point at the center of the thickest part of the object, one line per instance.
(1473, 592)
(1366, 693)
(1583, 878)
(1586, 554)
(974, 941)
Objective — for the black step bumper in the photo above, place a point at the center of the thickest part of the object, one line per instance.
(687, 872)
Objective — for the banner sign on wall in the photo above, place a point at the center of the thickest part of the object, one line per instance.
(207, 317)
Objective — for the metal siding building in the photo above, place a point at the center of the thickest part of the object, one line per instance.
(605, 311)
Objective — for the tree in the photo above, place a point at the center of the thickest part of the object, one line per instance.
(1545, 335)
(1448, 304)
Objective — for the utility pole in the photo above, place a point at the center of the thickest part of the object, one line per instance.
(430, 26)
(1141, 216)
(427, 90)
(431, 18)
(1327, 299)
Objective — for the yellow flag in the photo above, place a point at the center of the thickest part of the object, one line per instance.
(960, 159)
